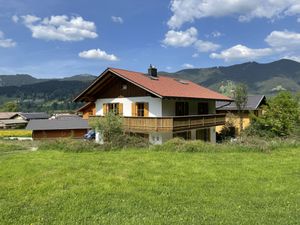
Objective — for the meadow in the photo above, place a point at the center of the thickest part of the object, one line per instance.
(148, 186)
(15, 133)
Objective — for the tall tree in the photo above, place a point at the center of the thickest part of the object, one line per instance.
(240, 97)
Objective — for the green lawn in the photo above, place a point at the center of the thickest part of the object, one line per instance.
(147, 187)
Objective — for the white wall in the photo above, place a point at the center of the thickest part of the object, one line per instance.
(155, 109)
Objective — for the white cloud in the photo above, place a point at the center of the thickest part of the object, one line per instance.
(181, 38)
(6, 43)
(60, 28)
(206, 46)
(245, 10)
(188, 66)
(241, 52)
(117, 19)
(195, 55)
(15, 18)
(97, 54)
(216, 34)
(284, 40)
(295, 58)
(187, 38)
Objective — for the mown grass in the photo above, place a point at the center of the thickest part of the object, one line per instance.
(15, 133)
(150, 187)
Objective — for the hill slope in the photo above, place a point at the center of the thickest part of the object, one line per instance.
(260, 78)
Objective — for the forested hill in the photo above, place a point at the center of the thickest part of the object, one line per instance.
(50, 95)
(260, 78)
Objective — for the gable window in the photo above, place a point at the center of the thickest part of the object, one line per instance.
(116, 108)
(181, 108)
(202, 108)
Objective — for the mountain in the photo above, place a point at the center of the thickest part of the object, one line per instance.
(260, 78)
(50, 95)
(25, 79)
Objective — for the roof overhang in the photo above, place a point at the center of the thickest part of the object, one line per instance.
(101, 78)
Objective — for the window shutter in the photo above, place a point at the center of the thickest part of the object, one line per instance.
(133, 109)
(104, 109)
(146, 109)
(121, 109)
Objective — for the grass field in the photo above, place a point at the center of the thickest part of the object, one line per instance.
(15, 133)
(148, 187)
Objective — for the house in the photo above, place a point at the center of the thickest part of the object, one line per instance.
(8, 121)
(31, 116)
(62, 128)
(14, 120)
(157, 107)
(87, 110)
(254, 105)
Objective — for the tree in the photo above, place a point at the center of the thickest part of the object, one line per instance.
(281, 114)
(227, 88)
(10, 107)
(110, 126)
(240, 97)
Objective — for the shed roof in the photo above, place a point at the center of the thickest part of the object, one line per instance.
(160, 86)
(34, 115)
(61, 124)
(7, 115)
(253, 103)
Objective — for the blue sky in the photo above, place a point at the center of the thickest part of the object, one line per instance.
(63, 38)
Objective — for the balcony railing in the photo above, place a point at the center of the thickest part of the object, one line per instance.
(171, 124)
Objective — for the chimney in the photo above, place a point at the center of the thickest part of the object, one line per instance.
(152, 71)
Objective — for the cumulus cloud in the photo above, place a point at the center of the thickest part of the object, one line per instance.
(284, 40)
(117, 19)
(15, 18)
(97, 54)
(60, 28)
(187, 66)
(187, 38)
(206, 46)
(6, 43)
(245, 10)
(241, 52)
(181, 38)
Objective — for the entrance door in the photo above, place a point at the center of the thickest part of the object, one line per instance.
(181, 108)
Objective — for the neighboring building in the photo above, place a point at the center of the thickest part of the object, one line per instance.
(14, 120)
(32, 116)
(158, 107)
(87, 110)
(254, 105)
(7, 115)
(62, 128)
(62, 116)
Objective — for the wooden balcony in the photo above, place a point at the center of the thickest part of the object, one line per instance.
(171, 124)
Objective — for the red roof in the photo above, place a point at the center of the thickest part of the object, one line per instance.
(170, 87)
(163, 86)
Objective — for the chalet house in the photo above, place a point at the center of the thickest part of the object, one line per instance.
(157, 107)
(254, 105)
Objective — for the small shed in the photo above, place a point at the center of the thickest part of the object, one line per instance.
(62, 128)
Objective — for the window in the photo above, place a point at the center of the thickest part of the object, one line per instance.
(202, 108)
(113, 107)
(140, 109)
(181, 108)
(186, 135)
(203, 134)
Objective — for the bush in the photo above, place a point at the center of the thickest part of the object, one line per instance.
(181, 145)
(70, 145)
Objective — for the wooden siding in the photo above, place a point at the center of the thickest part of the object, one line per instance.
(51, 134)
(171, 124)
(117, 89)
(88, 111)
